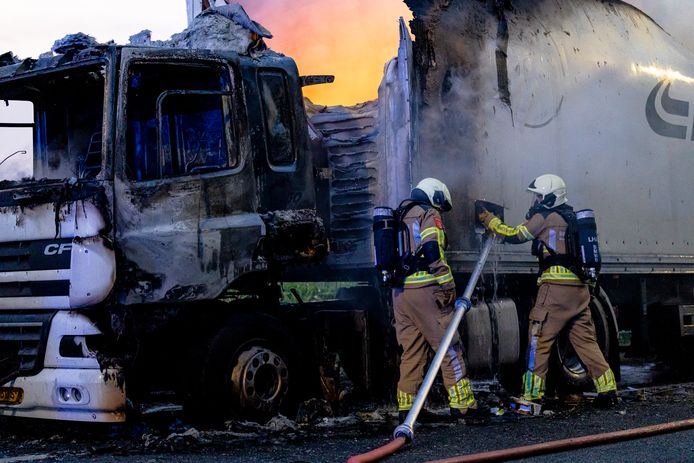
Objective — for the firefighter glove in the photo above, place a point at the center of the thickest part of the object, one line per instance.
(485, 217)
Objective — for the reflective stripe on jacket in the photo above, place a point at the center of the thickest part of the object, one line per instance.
(551, 230)
(426, 226)
(557, 273)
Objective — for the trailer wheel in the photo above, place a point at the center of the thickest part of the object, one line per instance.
(572, 374)
(248, 372)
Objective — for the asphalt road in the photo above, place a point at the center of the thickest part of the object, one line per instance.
(165, 438)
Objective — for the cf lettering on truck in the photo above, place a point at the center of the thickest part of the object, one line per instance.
(54, 249)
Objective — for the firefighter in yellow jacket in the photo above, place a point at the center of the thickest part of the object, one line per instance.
(562, 299)
(424, 304)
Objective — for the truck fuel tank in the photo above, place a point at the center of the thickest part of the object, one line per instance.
(491, 335)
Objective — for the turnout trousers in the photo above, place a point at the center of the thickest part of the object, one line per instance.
(421, 321)
(560, 306)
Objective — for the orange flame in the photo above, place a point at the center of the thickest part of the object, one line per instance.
(352, 39)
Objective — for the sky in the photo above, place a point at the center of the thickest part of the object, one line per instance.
(352, 39)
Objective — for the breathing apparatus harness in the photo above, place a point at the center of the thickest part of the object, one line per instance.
(581, 238)
(395, 258)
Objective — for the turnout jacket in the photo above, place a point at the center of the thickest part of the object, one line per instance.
(427, 238)
(548, 230)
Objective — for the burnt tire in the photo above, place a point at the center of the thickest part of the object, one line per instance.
(248, 371)
(566, 368)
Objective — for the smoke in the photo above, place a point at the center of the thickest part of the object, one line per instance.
(673, 15)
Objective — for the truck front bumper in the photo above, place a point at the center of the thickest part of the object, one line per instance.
(69, 394)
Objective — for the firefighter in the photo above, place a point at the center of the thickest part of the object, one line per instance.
(423, 305)
(562, 298)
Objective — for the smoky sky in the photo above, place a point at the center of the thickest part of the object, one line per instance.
(675, 16)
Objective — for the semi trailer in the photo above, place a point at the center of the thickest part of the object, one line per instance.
(156, 199)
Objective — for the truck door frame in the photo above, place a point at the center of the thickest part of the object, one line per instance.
(172, 230)
(289, 186)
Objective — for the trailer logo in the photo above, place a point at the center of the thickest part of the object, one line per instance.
(667, 116)
(57, 249)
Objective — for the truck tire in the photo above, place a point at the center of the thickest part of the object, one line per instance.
(249, 372)
(572, 375)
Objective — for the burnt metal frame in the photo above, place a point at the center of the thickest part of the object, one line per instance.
(232, 147)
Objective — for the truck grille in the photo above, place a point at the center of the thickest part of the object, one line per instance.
(22, 343)
(20, 256)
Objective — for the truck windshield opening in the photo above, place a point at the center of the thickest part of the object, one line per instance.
(16, 145)
(50, 127)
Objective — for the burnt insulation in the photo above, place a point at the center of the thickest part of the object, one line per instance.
(349, 140)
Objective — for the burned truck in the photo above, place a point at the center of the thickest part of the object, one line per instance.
(151, 188)
(155, 198)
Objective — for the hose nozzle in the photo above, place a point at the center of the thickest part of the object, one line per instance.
(404, 430)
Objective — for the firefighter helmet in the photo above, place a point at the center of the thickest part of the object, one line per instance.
(436, 193)
(550, 190)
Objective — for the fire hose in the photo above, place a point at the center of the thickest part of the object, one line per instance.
(405, 432)
(569, 444)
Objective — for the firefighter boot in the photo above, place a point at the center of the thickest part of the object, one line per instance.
(463, 404)
(606, 387)
(606, 400)
(533, 387)
(404, 405)
(530, 403)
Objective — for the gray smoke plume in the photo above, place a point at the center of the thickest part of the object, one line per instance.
(673, 15)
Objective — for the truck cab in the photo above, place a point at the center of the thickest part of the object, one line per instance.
(132, 177)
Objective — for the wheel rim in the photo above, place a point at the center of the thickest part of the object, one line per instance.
(261, 380)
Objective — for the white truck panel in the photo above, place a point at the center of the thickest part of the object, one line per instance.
(41, 222)
(585, 98)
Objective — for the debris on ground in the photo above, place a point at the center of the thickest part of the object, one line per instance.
(162, 430)
(155, 409)
(281, 423)
(313, 410)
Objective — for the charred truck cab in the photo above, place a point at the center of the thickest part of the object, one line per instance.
(135, 182)
(56, 237)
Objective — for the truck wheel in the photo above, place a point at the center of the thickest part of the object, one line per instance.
(572, 375)
(248, 370)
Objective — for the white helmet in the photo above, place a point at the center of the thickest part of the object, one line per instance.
(437, 193)
(551, 190)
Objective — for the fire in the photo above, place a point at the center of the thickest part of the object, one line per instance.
(351, 39)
